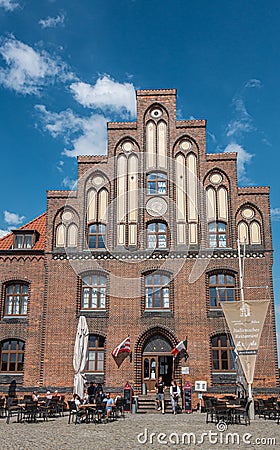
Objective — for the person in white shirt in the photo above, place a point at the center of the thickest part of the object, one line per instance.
(174, 395)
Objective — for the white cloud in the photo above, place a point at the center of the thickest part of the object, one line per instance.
(52, 22)
(4, 232)
(13, 218)
(253, 83)
(86, 135)
(243, 157)
(242, 122)
(9, 5)
(60, 165)
(212, 136)
(28, 70)
(69, 183)
(275, 216)
(106, 94)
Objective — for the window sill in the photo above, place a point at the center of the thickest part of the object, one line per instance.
(94, 312)
(14, 319)
(215, 312)
(157, 313)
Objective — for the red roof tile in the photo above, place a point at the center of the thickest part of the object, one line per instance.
(38, 224)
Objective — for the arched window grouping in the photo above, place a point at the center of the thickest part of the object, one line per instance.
(249, 233)
(217, 214)
(127, 199)
(186, 197)
(67, 236)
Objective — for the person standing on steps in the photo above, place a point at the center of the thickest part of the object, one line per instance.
(160, 387)
(174, 396)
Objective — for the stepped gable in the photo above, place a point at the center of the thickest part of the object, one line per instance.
(38, 224)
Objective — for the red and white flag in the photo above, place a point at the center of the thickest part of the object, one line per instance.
(124, 347)
(181, 346)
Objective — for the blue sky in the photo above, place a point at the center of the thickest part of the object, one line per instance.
(60, 60)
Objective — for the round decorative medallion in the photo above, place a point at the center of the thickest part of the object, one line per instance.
(185, 145)
(156, 113)
(248, 213)
(66, 216)
(216, 178)
(97, 181)
(156, 207)
(127, 146)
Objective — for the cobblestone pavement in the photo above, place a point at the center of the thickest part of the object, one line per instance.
(135, 432)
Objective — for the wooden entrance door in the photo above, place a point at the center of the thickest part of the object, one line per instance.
(154, 366)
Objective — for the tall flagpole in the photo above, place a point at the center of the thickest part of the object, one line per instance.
(241, 280)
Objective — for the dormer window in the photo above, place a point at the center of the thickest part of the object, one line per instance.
(24, 239)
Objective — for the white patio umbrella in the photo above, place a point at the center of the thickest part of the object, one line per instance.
(80, 355)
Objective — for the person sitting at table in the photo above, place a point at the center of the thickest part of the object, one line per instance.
(79, 409)
(34, 396)
(85, 399)
(48, 396)
(56, 395)
(109, 403)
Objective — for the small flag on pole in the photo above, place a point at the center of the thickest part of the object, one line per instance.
(181, 346)
(124, 347)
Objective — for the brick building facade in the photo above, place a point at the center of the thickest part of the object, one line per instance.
(146, 246)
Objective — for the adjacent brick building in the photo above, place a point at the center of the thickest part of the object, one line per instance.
(146, 246)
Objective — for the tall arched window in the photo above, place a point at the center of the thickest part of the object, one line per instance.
(94, 292)
(16, 299)
(157, 235)
(221, 288)
(96, 235)
(96, 348)
(12, 355)
(222, 353)
(157, 291)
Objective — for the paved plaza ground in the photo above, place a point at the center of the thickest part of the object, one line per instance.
(136, 432)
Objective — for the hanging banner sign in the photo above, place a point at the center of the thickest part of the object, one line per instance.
(245, 321)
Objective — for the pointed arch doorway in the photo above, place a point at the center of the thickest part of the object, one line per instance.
(157, 361)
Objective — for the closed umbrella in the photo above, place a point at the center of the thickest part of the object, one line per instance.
(80, 355)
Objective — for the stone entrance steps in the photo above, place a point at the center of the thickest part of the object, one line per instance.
(147, 404)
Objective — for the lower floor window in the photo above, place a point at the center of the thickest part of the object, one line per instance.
(12, 355)
(222, 352)
(96, 346)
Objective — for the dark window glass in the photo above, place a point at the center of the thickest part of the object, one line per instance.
(156, 291)
(222, 353)
(96, 346)
(96, 236)
(221, 289)
(24, 241)
(12, 355)
(156, 183)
